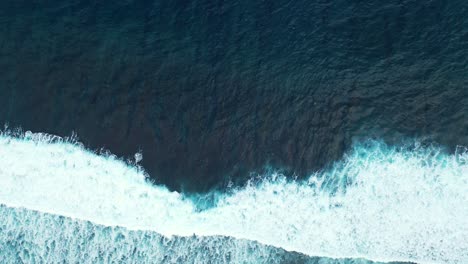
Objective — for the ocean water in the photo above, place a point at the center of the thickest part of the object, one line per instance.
(211, 91)
(379, 203)
(212, 131)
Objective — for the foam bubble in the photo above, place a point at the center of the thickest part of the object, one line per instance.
(378, 203)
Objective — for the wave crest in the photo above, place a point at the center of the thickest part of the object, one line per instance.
(379, 203)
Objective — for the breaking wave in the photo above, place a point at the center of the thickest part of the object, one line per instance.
(59, 201)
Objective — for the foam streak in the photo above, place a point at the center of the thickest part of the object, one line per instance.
(378, 203)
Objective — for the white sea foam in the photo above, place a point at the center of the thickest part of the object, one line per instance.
(378, 203)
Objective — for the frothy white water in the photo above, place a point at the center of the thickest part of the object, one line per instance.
(378, 203)
(27, 236)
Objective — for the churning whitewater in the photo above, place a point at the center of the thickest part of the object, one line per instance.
(60, 201)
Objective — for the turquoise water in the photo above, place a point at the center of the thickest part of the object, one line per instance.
(380, 203)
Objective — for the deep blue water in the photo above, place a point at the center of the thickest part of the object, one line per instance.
(210, 91)
(215, 93)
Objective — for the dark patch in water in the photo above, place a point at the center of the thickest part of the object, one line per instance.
(212, 90)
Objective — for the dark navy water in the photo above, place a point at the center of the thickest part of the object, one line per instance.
(213, 91)
(306, 131)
